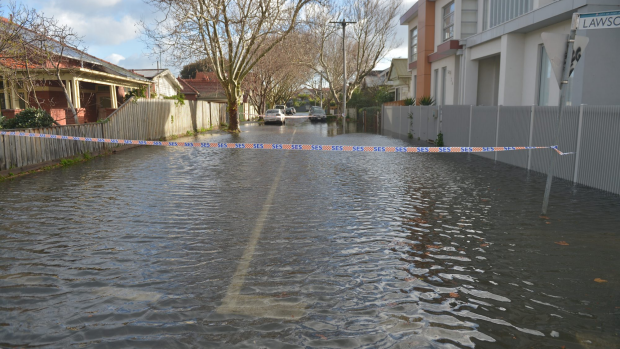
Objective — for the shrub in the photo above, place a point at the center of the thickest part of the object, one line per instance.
(439, 140)
(28, 118)
(409, 101)
(426, 101)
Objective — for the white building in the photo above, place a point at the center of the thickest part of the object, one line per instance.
(399, 79)
(490, 52)
(164, 83)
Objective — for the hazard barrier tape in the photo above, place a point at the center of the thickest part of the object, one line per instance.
(278, 146)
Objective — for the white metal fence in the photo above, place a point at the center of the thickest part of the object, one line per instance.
(592, 132)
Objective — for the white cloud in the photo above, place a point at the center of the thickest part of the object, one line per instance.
(135, 61)
(114, 58)
(100, 30)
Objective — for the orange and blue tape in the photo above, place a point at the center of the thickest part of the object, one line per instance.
(278, 146)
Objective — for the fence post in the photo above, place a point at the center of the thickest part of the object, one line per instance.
(471, 113)
(497, 131)
(529, 152)
(578, 150)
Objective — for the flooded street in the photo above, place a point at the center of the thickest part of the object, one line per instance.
(234, 248)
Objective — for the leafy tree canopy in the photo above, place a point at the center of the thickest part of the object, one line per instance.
(189, 70)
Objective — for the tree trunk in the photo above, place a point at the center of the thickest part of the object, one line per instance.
(233, 109)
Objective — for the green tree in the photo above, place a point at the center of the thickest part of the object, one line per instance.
(189, 70)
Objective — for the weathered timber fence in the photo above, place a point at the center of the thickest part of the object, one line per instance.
(150, 119)
(591, 132)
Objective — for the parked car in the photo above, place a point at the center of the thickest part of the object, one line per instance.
(317, 114)
(275, 115)
(290, 111)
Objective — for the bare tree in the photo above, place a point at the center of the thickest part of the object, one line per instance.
(366, 42)
(33, 49)
(277, 77)
(233, 34)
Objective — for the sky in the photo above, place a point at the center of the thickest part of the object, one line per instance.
(110, 29)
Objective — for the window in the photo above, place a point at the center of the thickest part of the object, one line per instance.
(2, 101)
(497, 12)
(414, 45)
(397, 95)
(546, 77)
(22, 103)
(415, 86)
(448, 21)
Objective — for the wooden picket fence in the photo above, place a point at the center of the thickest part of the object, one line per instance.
(150, 119)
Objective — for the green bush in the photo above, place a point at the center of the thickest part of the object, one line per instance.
(1, 121)
(28, 118)
(439, 140)
(427, 101)
(409, 101)
(179, 99)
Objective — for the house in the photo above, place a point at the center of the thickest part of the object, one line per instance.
(487, 52)
(204, 87)
(399, 79)
(375, 78)
(95, 87)
(164, 84)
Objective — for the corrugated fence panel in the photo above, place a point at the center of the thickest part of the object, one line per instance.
(599, 159)
(565, 165)
(545, 123)
(387, 121)
(455, 125)
(514, 131)
(483, 129)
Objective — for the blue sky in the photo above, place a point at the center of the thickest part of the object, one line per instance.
(110, 29)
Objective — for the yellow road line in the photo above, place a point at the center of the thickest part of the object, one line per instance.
(260, 306)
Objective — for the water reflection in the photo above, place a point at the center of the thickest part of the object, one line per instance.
(354, 250)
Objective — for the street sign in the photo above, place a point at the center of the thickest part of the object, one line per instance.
(599, 20)
(555, 45)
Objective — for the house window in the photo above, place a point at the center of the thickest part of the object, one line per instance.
(545, 79)
(397, 94)
(414, 45)
(415, 86)
(448, 21)
(2, 100)
(22, 100)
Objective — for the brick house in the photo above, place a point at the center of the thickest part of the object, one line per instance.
(204, 87)
(95, 87)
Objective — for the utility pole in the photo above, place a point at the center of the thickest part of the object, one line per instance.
(563, 83)
(321, 91)
(344, 72)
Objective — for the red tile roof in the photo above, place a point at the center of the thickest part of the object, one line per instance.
(205, 85)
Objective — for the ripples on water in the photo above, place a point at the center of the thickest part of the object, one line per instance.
(143, 249)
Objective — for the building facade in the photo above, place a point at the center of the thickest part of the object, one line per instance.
(490, 52)
(164, 84)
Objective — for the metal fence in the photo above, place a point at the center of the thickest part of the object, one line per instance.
(592, 132)
(140, 120)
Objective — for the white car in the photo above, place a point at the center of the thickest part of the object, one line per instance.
(275, 115)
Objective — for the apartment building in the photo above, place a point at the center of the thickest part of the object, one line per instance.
(490, 52)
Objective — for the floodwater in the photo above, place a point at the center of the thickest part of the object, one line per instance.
(208, 248)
